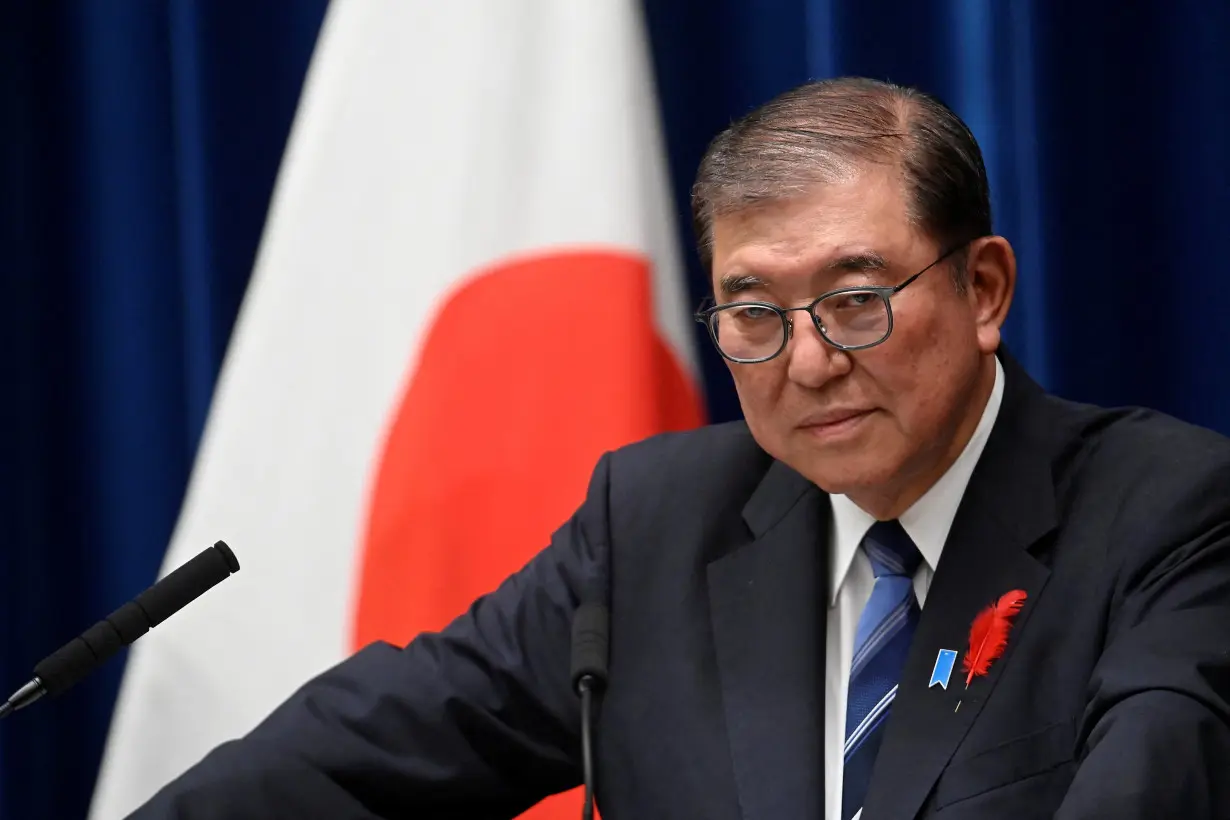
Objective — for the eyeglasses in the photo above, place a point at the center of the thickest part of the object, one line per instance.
(848, 319)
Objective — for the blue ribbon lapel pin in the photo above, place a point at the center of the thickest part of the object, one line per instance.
(944, 663)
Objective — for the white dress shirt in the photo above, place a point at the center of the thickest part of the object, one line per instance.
(927, 522)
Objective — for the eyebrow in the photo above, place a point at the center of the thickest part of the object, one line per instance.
(737, 283)
(861, 262)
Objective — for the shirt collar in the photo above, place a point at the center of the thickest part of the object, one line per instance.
(930, 518)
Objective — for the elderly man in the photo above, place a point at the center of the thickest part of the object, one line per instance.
(911, 584)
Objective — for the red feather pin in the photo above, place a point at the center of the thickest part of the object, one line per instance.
(988, 636)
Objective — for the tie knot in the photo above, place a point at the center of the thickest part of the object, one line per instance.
(891, 550)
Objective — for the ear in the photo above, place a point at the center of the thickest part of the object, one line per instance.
(991, 276)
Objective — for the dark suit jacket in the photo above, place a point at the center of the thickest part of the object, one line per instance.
(1112, 700)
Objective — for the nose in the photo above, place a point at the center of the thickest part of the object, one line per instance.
(812, 361)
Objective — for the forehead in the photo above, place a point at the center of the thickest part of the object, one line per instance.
(864, 212)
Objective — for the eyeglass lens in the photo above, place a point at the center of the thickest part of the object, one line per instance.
(749, 332)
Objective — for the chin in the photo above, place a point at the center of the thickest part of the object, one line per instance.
(844, 473)
(843, 483)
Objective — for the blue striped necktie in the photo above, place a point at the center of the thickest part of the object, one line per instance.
(881, 644)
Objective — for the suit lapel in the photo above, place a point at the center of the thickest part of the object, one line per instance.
(769, 634)
(1008, 507)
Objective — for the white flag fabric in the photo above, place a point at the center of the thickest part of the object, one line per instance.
(467, 290)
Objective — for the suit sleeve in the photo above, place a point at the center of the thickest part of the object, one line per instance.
(1155, 737)
(478, 721)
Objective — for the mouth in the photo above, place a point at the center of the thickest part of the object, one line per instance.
(837, 424)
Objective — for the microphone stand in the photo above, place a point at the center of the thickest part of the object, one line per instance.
(590, 638)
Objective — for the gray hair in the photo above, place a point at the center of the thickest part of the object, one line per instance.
(825, 130)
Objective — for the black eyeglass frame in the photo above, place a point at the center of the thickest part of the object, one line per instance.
(705, 312)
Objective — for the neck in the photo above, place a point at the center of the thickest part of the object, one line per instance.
(890, 502)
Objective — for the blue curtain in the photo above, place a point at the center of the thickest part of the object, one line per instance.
(140, 142)
(1106, 132)
(140, 146)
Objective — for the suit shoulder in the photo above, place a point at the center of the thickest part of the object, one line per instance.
(715, 461)
(1144, 436)
(1138, 452)
(713, 446)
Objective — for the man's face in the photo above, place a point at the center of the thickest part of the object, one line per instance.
(879, 424)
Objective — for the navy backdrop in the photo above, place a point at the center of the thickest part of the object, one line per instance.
(139, 146)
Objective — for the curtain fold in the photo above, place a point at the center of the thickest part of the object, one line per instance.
(140, 146)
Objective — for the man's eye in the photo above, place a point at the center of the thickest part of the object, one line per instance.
(753, 312)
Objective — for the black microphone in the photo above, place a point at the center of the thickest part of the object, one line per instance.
(590, 639)
(80, 656)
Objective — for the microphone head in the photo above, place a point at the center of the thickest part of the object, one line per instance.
(77, 658)
(590, 640)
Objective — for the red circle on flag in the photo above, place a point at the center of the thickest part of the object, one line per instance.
(529, 372)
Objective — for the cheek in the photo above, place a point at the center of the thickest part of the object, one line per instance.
(913, 378)
(759, 387)
(922, 384)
